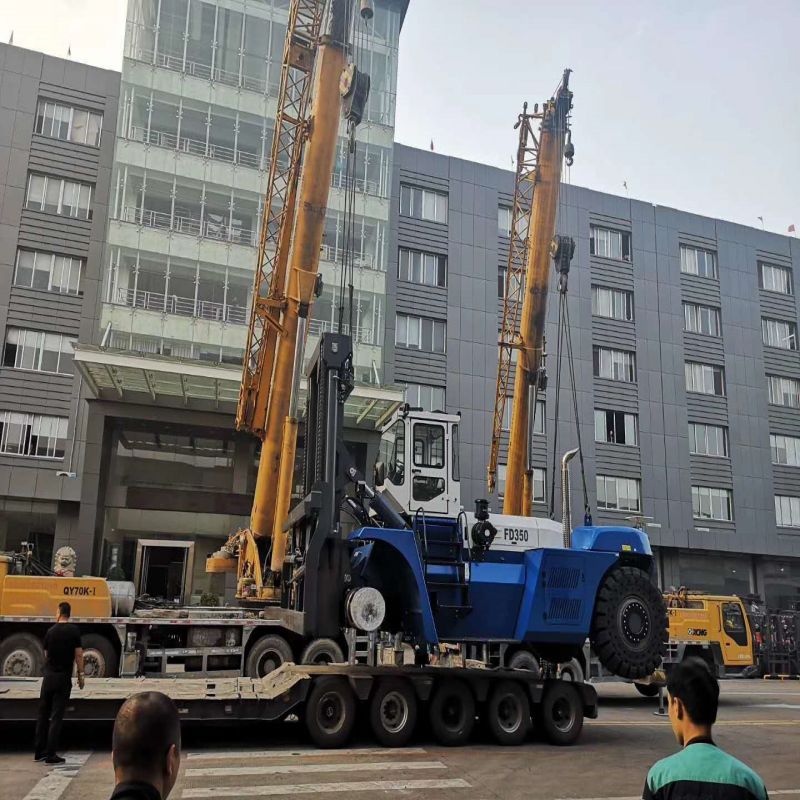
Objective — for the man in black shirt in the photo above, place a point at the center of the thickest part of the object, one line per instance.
(146, 747)
(62, 647)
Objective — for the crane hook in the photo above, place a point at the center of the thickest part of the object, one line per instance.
(569, 150)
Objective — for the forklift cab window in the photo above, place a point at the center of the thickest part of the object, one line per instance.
(428, 446)
(733, 622)
(456, 467)
(392, 452)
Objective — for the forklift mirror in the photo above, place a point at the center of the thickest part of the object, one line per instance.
(379, 473)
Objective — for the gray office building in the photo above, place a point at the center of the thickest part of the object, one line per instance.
(686, 356)
(57, 122)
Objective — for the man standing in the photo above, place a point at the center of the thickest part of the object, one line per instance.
(146, 747)
(701, 771)
(62, 648)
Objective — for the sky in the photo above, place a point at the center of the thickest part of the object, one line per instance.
(693, 103)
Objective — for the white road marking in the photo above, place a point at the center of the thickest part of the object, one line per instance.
(323, 788)
(288, 769)
(775, 705)
(307, 752)
(52, 785)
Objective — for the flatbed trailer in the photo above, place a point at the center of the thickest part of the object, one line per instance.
(329, 697)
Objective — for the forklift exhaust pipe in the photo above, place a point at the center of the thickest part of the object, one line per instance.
(566, 497)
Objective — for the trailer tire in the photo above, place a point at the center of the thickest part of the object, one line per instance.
(629, 630)
(523, 659)
(330, 711)
(393, 712)
(647, 689)
(266, 655)
(21, 656)
(322, 651)
(509, 713)
(452, 713)
(561, 713)
(571, 671)
(100, 659)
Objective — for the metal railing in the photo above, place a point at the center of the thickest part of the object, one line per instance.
(191, 226)
(182, 306)
(360, 334)
(364, 261)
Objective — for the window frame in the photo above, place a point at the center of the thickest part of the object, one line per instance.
(776, 269)
(601, 421)
(694, 430)
(625, 243)
(407, 255)
(78, 186)
(693, 317)
(414, 201)
(712, 494)
(39, 345)
(41, 118)
(626, 364)
(789, 445)
(793, 382)
(692, 385)
(770, 325)
(792, 504)
(628, 483)
(30, 434)
(614, 299)
(685, 249)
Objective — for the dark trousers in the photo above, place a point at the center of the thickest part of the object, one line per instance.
(53, 701)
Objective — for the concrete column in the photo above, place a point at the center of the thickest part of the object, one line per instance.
(67, 532)
(242, 458)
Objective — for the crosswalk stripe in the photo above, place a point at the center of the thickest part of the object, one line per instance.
(288, 769)
(53, 785)
(322, 788)
(306, 752)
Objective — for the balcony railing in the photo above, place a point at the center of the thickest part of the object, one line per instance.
(363, 260)
(361, 334)
(184, 144)
(182, 306)
(191, 226)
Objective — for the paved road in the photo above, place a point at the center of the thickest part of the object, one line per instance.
(759, 722)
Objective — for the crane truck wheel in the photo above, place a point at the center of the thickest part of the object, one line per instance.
(99, 657)
(393, 712)
(509, 713)
(330, 711)
(266, 655)
(322, 651)
(629, 631)
(21, 656)
(647, 689)
(571, 671)
(522, 659)
(561, 713)
(452, 713)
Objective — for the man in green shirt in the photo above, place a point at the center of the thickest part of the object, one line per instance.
(701, 770)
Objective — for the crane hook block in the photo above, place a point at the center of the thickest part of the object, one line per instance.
(562, 249)
(354, 88)
(367, 10)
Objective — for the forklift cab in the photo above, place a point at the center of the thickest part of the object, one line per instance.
(417, 463)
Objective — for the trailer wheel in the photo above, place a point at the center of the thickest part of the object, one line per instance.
(629, 628)
(561, 713)
(393, 712)
(647, 689)
(509, 713)
(330, 711)
(99, 657)
(21, 656)
(523, 659)
(452, 713)
(322, 651)
(266, 655)
(571, 671)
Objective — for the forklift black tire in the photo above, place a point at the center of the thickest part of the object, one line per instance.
(561, 713)
(393, 712)
(322, 651)
(330, 711)
(629, 628)
(523, 659)
(452, 713)
(100, 659)
(508, 713)
(21, 656)
(571, 671)
(266, 655)
(647, 689)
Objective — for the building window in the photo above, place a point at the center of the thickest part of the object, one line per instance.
(705, 379)
(708, 440)
(428, 398)
(422, 203)
(539, 483)
(538, 415)
(618, 494)
(38, 351)
(70, 124)
(615, 427)
(785, 450)
(779, 333)
(427, 269)
(421, 333)
(701, 319)
(709, 502)
(783, 391)
(59, 196)
(610, 243)
(504, 220)
(787, 511)
(612, 303)
(616, 365)
(775, 279)
(696, 261)
(48, 271)
(32, 435)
